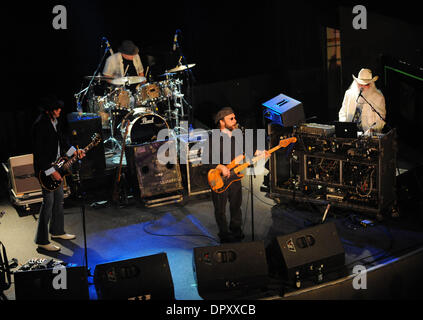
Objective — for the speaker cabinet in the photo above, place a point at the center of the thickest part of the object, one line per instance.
(82, 130)
(230, 270)
(146, 278)
(284, 110)
(194, 170)
(301, 254)
(155, 176)
(22, 174)
(49, 284)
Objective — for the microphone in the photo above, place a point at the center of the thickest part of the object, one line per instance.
(359, 95)
(175, 39)
(107, 44)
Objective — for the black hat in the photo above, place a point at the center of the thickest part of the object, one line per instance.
(222, 114)
(129, 48)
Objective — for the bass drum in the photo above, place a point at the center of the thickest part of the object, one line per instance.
(144, 128)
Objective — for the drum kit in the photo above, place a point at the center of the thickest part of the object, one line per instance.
(147, 107)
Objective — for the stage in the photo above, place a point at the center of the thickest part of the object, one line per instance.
(391, 250)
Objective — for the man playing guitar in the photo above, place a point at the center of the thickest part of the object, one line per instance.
(48, 145)
(227, 123)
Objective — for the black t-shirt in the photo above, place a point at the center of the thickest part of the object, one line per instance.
(132, 72)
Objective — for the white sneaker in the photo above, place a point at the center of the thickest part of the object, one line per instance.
(49, 247)
(64, 236)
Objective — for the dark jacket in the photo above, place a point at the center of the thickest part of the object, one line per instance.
(45, 141)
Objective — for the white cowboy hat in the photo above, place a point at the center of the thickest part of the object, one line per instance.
(365, 77)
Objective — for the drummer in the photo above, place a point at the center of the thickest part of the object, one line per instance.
(125, 63)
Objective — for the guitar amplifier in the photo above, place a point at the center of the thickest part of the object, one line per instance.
(192, 163)
(284, 111)
(154, 175)
(83, 128)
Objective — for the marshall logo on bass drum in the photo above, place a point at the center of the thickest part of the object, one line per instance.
(63, 166)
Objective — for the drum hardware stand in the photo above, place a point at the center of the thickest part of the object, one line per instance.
(115, 144)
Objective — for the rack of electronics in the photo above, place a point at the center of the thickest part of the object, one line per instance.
(356, 172)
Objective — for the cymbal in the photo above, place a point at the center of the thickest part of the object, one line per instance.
(99, 78)
(128, 80)
(167, 74)
(181, 68)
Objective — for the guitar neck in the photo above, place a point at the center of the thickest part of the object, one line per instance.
(72, 160)
(255, 159)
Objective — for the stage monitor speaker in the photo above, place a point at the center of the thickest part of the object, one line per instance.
(69, 283)
(284, 111)
(302, 254)
(230, 270)
(82, 129)
(146, 278)
(155, 177)
(22, 174)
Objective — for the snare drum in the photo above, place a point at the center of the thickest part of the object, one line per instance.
(144, 127)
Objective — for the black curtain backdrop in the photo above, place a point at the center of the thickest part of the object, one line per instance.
(245, 53)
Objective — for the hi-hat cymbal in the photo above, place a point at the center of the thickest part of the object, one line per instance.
(128, 80)
(182, 68)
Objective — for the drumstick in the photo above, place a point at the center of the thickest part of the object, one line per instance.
(146, 73)
(126, 70)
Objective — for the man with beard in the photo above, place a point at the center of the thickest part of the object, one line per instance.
(230, 141)
(356, 108)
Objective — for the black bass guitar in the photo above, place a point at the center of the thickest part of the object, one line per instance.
(63, 166)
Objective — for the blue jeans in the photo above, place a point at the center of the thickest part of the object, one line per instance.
(51, 212)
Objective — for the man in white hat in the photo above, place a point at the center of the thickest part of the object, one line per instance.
(355, 108)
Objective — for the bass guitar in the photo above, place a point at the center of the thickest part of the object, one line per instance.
(63, 166)
(219, 183)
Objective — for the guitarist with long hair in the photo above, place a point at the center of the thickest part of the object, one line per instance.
(226, 121)
(49, 144)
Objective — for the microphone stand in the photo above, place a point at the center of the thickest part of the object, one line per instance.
(81, 196)
(189, 77)
(84, 91)
(252, 173)
(374, 110)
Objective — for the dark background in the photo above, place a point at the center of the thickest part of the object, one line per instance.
(245, 54)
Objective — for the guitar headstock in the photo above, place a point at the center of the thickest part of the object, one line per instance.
(96, 139)
(286, 142)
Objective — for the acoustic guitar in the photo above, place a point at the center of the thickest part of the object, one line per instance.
(219, 183)
(63, 166)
